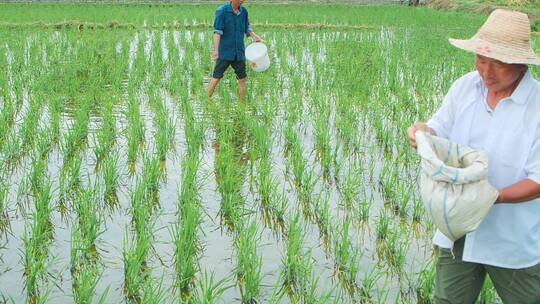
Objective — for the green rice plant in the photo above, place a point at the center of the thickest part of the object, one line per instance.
(4, 217)
(248, 264)
(210, 291)
(364, 208)
(84, 285)
(368, 286)
(134, 131)
(382, 225)
(346, 259)
(350, 190)
(417, 210)
(297, 272)
(396, 248)
(70, 181)
(323, 218)
(151, 175)
(154, 293)
(137, 274)
(229, 177)
(111, 179)
(27, 130)
(75, 140)
(106, 134)
(164, 135)
(187, 246)
(36, 243)
(425, 284)
(12, 151)
(7, 118)
(55, 108)
(89, 223)
(322, 138)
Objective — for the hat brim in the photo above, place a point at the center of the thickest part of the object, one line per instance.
(497, 51)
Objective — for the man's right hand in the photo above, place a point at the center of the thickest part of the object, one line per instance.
(419, 126)
(214, 55)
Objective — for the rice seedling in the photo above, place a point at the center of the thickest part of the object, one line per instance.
(75, 140)
(4, 217)
(185, 233)
(134, 131)
(248, 264)
(36, 243)
(382, 226)
(111, 178)
(106, 135)
(346, 259)
(425, 284)
(368, 286)
(209, 290)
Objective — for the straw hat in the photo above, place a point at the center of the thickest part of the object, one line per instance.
(505, 36)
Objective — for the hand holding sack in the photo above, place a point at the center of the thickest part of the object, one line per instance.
(454, 185)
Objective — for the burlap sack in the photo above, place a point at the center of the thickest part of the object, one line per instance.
(454, 185)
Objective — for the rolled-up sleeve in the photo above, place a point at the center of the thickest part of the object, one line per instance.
(219, 22)
(443, 120)
(532, 166)
(248, 28)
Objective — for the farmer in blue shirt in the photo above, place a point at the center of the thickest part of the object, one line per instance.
(230, 25)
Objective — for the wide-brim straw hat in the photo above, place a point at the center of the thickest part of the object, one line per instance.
(505, 36)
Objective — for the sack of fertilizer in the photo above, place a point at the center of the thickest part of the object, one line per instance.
(454, 184)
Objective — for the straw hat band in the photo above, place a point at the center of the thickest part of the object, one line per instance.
(504, 36)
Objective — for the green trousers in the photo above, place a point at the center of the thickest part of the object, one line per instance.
(460, 282)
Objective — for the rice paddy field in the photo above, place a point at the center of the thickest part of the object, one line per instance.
(120, 182)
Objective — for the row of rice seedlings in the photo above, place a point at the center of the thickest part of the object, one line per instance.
(26, 135)
(395, 248)
(106, 134)
(299, 282)
(85, 266)
(323, 147)
(248, 263)
(165, 127)
(76, 138)
(230, 171)
(346, 257)
(304, 177)
(111, 178)
(187, 246)
(4, 215)
(138, 284)
(7, 118)
(70, 182)
(36, 241)
(425, 283)
(134, 131)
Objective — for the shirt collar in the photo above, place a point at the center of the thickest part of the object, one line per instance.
(520, 94)
(228, 8)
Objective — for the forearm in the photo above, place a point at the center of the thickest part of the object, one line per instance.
(519, 192)
(217, 37)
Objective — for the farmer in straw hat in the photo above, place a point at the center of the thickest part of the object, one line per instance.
(496, 109)
(231, 23)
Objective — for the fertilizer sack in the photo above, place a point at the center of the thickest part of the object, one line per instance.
(454, 185)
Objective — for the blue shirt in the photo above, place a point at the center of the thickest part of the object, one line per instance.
(232, 27)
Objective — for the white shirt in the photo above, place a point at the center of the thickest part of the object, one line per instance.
(509, 236)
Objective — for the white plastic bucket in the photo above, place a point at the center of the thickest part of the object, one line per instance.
(257, 55)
